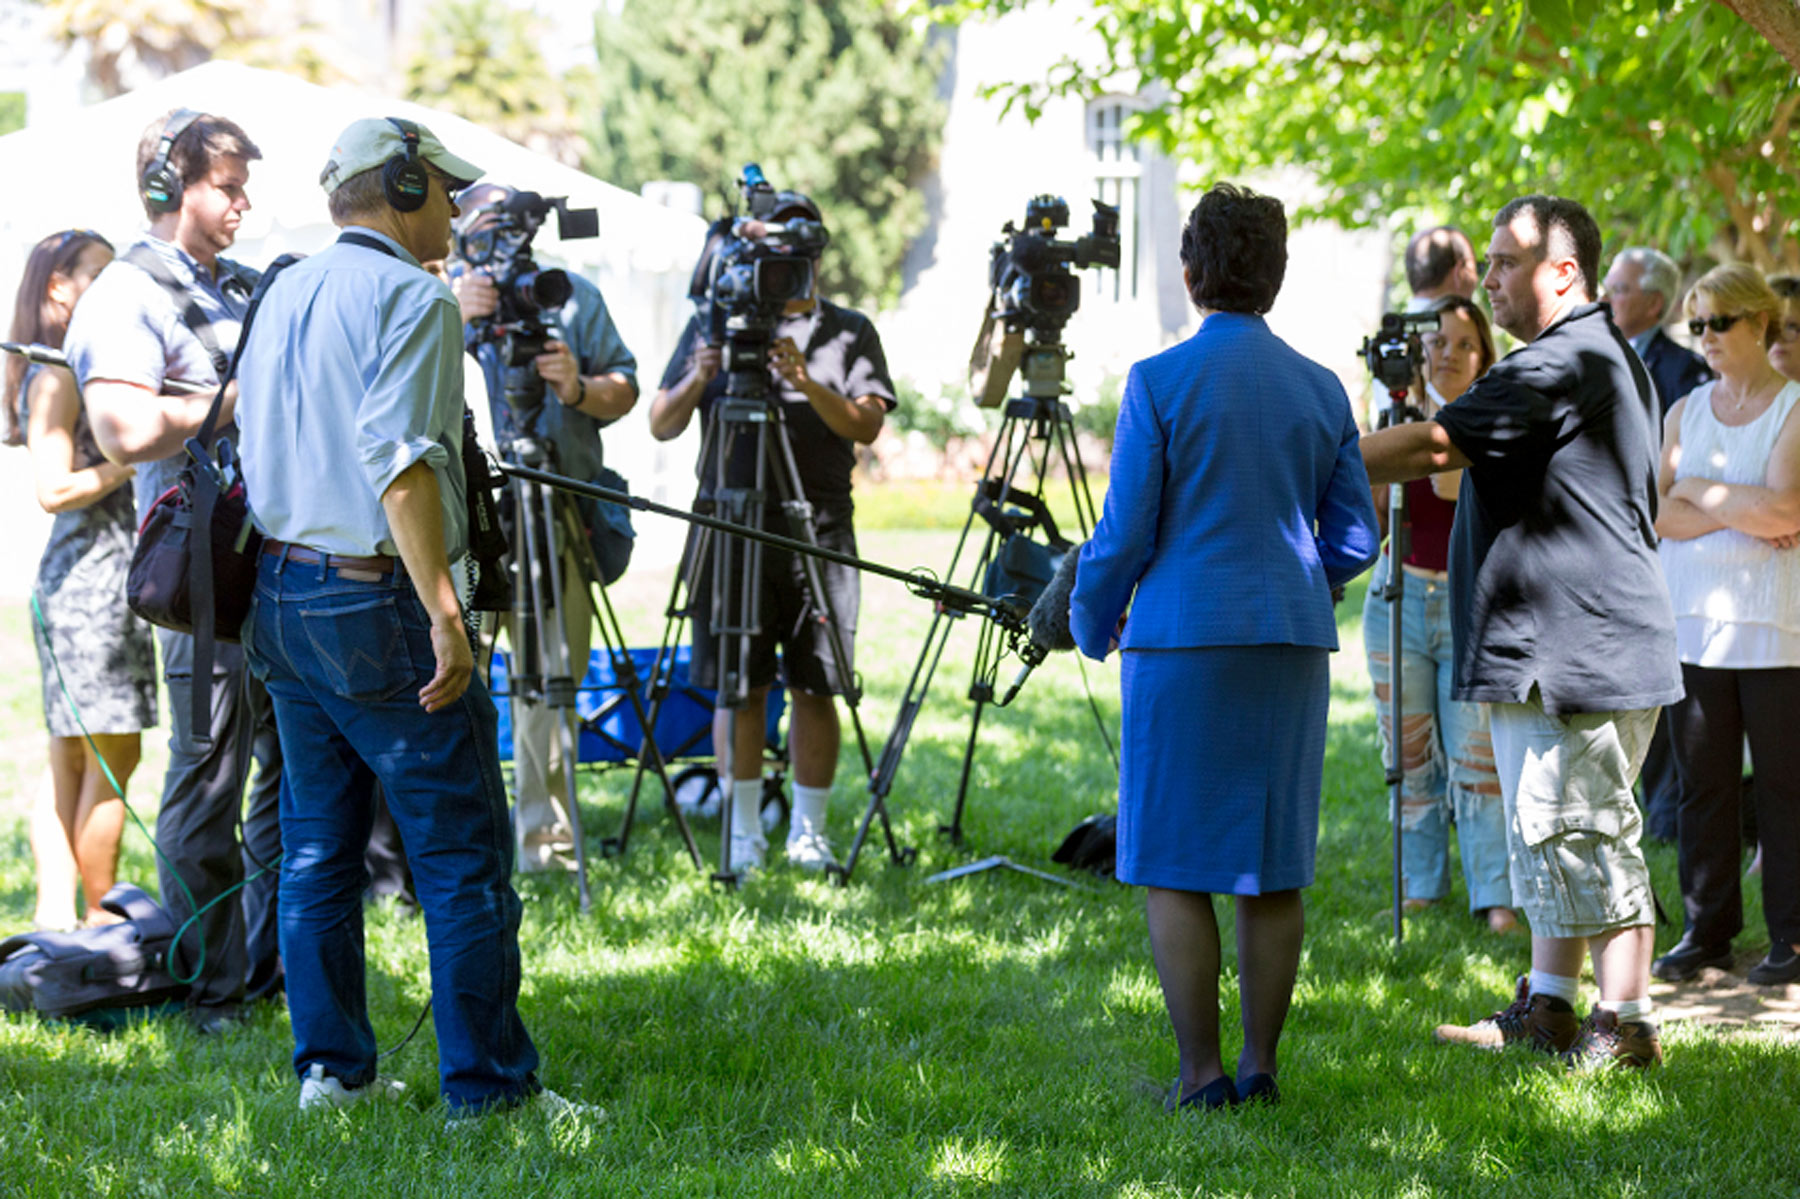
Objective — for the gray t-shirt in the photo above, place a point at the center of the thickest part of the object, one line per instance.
(1554, 578)
(128, 329)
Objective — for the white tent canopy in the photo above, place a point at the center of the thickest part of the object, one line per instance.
(76, 170)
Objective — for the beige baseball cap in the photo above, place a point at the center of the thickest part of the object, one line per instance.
(373, 140)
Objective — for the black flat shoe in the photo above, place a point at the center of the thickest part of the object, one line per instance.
(1688, 958)
(1781, 966)
(1220, 1092)
(1259, 1088)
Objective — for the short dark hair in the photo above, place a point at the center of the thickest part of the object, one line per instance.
(1235, 250)
(1785, 286)
(196, 150)
(1433, 253)
(1564, 229)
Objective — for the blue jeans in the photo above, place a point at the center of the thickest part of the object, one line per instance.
(344, 660)
(1447, 759)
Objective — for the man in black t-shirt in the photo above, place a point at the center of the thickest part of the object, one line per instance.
(830, 378)
(1562, 623)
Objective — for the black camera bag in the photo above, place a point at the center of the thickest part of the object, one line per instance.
(122, 965)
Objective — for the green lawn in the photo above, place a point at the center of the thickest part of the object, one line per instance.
(993, 1035)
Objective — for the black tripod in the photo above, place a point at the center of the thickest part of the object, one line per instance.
(1394, 593)
(746, 441)
(543, 671)
(1036, 433)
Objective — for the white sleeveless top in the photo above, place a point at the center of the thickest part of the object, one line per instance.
(1737, 598)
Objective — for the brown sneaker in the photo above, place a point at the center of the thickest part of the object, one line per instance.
(1539, 1021)
(1607, 1041)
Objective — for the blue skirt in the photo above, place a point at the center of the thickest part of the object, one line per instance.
(1222, 764)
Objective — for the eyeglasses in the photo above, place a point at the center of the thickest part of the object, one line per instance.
(1718, 324)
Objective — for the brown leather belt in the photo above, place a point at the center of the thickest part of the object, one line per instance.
(370, 569)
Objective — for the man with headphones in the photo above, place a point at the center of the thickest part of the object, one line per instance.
(149, 343)
(353, 370)
(831, 377)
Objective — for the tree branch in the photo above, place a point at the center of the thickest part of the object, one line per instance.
(1777, 20)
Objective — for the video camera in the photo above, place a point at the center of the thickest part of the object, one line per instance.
(1029, 268)
(496, 240)
(1395, 354)
(753, 266)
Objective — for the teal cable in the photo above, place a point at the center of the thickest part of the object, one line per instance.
(74, 710)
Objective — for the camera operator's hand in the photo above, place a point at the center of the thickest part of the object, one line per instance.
(789, 363)
(557, 367)
(706, 363)
(476, 295)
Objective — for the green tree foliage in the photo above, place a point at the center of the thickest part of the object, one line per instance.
(12, 112)
(836, 98)
(1672, 119)
(480, 60)
(161, 37)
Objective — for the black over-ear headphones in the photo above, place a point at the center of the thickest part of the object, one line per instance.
(404, 180)
(161, 182)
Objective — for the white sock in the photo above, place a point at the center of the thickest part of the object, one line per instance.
(809, 811)
(1629, 1009)
(1555, 986)
(746, 809)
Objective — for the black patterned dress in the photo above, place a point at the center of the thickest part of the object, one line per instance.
(106, 656)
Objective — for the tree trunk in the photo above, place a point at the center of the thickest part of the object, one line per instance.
(1777, 20)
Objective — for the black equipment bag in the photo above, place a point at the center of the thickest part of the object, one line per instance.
(609, 527)
(1091, 845)
(1022, 567)
(205, 594)
(122, 965)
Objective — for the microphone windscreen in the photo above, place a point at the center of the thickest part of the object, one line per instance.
(1049, 617)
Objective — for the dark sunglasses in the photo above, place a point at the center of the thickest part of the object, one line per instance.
(1718, 324)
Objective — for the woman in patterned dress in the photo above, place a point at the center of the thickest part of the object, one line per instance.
(88, 643)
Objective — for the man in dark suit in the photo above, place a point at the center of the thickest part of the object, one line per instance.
(1642, 286)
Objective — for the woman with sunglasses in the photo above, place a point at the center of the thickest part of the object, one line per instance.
(1446, 758)
(1784, 351)
(1730, 523)
(88, 642)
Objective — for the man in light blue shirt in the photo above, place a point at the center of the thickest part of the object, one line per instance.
(149, 342)
(351, 384)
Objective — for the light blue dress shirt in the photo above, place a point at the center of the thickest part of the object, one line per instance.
(128, 329)
(351, 373)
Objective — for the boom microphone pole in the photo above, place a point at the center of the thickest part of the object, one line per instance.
(921, 584)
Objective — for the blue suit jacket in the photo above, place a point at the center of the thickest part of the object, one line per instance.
(1674, 369)
(1238, 500)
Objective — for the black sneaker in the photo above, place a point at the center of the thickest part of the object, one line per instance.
(1781, 966)
(1689, 958)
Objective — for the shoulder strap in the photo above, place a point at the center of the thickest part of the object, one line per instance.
(351, 237)
(209, 482)
(151, 263)
(210, 426)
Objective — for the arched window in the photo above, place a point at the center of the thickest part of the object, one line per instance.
(1118, 171)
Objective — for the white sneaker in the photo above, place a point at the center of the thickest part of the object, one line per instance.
(546, 1105)
(747, 853)
(318, 1089)
(809, 850)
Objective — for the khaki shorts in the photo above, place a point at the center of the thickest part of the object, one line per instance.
(1572, 824)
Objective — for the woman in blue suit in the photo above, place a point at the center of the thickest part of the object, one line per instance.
(1237, 502)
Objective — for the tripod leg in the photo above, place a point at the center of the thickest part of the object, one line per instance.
(953, 830)
(560, 673)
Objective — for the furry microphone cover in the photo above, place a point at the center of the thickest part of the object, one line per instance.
(1049, 617)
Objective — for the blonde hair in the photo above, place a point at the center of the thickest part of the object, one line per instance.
(1738, 289)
